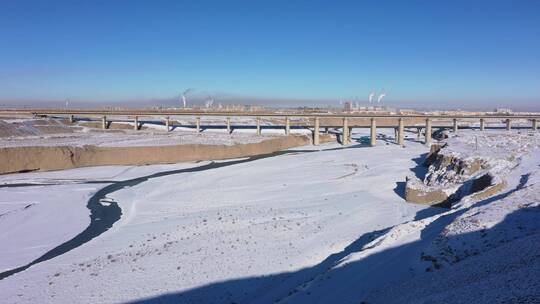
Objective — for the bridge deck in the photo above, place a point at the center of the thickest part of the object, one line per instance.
(143, 113)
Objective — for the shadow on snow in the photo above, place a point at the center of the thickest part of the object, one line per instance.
(352, 282)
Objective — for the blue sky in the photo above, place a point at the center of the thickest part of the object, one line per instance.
(422, 53)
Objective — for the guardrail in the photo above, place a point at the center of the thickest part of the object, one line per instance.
(258, 114)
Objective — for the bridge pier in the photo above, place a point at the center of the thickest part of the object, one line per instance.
(167, 124)
(345, 136)
(373, 133)
(452, 121)
(258, 126)
(428, 132)
(401, 133)
(316, 127)
(198, 124)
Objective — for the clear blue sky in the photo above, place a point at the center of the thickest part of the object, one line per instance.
(467, 53)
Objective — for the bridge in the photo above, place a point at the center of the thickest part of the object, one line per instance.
(316, 121)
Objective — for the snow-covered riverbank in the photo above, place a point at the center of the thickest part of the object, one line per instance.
(303, 227)
(265, 217)
(483, 250)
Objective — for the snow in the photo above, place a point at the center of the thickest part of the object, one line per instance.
(131, 139)
(48, 207)
(154, 135)
(439, 258)
(267, 216)
(496, 145)
(313, 225)
(488, 250)
(44, 209)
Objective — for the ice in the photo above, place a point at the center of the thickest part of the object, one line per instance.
(313, 225)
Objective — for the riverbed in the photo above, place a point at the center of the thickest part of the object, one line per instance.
(249, 224)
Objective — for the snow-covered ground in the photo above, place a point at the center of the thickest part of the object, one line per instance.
(313, 225)
(154, 134)
(132, 139)
(487, 250)
(270, 216)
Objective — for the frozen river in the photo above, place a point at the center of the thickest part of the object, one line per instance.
(258, 227)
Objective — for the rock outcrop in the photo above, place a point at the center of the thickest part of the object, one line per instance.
(451, 176)
(417, 192)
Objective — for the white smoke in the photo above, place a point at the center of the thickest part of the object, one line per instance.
(381, 97)
(209, 102)
(184, 97)
(371, 95)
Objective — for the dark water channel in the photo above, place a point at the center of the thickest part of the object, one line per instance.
(105, 212)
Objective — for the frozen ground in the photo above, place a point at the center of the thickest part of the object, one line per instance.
(28, 132)
(308, 226)
(481, 251)
(270, 216)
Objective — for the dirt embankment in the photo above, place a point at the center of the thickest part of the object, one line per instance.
(24, 159)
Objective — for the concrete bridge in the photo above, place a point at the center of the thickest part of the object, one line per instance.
(316, 121)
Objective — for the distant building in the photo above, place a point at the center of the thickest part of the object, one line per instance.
(503, 111)
(409, 112)
(347, 106)
(256, 108)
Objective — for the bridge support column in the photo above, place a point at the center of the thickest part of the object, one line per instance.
(373, 133)
(198, 124)
(229, 130)
(455, 129)
(104, 124)
(136, 121)
(71, 118)
(345, 136)
(258, 126)
(316, 130)
(401, 133)
(287, 126)
(167, 124)
(428, 132)
(508, 124)
(482, 124)
(534, 124)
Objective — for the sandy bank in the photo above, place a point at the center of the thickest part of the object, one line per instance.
(46, 158)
